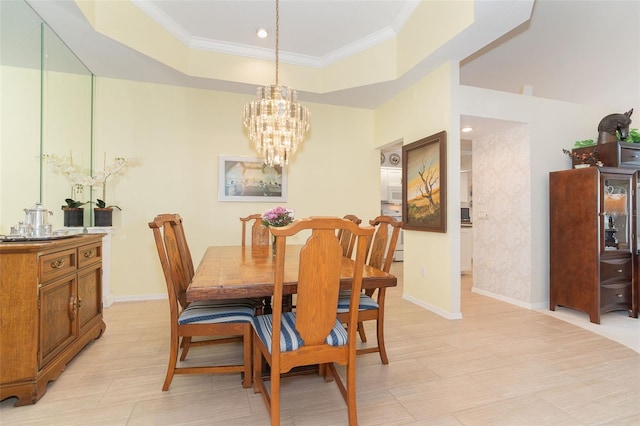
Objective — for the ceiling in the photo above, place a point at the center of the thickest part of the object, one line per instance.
(559, 53)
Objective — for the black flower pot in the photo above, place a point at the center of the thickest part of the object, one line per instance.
(103, 217)
(73, 216)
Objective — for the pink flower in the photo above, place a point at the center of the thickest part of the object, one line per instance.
(278, 217)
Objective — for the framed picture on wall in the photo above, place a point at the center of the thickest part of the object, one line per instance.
(249, 179)
(424, 187)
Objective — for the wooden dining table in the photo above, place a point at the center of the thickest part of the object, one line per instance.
(231, 272)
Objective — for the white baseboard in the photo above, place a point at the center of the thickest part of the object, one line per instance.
(519, 303)
(431, 308)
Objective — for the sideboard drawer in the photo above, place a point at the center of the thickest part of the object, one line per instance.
(615, 297)
(88, 254)
(57, 264)
(615, 270)
(629, 157)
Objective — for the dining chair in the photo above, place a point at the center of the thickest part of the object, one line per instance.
(312, 334)
(380, 256)
(259, 237)
(259, 232)
(347, 240)
(228, 320)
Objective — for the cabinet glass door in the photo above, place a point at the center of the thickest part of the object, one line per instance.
(616, 209)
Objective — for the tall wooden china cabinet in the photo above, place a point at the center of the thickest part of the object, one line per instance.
(50, 308)
(593, 230)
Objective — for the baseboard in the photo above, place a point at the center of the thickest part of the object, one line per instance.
(519, 303)
(431, 308)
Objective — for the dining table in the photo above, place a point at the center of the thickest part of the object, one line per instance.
(232, 272)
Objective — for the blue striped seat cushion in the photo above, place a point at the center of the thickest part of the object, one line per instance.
(290, 340)
(218, 311)
(366, 303)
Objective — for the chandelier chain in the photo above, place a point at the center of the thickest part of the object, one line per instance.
(277, 37)
(276, 122)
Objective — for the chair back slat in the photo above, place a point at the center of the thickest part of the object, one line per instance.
(175, 256)
(318, 286)
(383, 245)
(347, 240)
(259, 232)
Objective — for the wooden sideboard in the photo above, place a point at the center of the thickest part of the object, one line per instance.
(50, 309)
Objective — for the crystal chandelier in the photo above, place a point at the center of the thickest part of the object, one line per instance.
(276, 121)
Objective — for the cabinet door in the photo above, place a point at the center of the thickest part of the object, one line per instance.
(395, 177)
(58, 327)
(464, 187)
(89, 297)
(384, 184)
(617, 194)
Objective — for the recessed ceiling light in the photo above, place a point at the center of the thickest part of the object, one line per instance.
(262, 32)
(466, 129)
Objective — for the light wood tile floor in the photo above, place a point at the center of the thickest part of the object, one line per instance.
(499, 365)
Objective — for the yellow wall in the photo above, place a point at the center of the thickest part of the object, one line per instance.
(420, 111)
(20, 144)
(175, 136)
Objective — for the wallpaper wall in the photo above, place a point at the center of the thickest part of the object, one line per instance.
(502, 215)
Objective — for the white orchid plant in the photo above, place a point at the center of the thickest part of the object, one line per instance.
(79, 178)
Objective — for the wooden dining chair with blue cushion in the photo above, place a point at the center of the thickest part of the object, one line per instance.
(312, 334)
(380, 255)
(227, 320)
(259, 232)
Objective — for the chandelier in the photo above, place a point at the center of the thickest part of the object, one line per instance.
(276, 121)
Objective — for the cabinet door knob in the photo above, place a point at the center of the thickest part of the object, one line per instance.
(620, 270)
(89, 254)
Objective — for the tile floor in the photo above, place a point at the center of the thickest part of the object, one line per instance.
(499, 365)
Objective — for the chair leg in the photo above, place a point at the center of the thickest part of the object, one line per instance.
(186, 342)
(246, 351)
(380, 334)
(351, 395)
(173, 359)
(275, 397)
(257, 365)
(363, 335)
(380, 327)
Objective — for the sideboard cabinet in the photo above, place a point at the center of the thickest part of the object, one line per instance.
(50, 309)
(593, 240)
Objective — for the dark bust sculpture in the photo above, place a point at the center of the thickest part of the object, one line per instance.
(612, 123)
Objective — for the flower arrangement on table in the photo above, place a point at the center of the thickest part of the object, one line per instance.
(277, 217)
(590, 158)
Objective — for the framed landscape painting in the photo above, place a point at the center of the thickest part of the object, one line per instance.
(250, 179)
(424, 187)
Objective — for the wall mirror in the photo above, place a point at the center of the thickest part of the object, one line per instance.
(46, 109)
